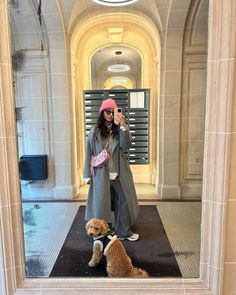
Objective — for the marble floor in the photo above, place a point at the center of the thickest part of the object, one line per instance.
(145, 192)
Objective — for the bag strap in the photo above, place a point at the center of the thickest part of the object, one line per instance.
(108, 143)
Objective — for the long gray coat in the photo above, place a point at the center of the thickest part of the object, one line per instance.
(99, 195)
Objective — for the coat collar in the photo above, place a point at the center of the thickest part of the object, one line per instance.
(114, 142)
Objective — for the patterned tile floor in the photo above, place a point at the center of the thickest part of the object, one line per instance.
(182, 222)
(45, 228)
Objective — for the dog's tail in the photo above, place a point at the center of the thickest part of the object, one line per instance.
(137, 272)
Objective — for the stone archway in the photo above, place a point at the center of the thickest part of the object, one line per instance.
(137, 32)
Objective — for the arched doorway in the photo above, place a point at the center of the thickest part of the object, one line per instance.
(99, 32)
(102, 61)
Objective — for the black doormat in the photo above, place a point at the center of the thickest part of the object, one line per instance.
(151, 252)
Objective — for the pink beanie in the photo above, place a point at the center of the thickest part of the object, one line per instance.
(108, 103)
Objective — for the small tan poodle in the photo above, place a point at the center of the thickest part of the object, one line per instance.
(118, 262)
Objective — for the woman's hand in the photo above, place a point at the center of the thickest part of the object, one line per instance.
(120, 118)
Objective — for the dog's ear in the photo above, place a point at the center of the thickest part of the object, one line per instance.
(104, 226)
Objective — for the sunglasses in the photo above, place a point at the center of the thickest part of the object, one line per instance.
(108, 112)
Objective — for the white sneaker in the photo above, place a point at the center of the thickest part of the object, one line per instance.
(133, 238)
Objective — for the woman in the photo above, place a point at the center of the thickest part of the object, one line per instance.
(111, 185)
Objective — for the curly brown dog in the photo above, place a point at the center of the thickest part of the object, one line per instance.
(118, 262)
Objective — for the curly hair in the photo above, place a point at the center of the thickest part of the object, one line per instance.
(101, 125)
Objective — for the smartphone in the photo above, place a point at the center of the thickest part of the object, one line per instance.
(117, 111)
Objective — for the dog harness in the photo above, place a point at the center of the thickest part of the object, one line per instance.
(105, 241)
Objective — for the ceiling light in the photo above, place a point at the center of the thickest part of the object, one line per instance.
(119, 80)
(118, 68)
(114, 2)
(118, 52)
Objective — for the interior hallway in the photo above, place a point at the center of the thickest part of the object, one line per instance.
(218, 261)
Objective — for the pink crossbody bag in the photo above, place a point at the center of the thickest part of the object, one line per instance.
(100, 160)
